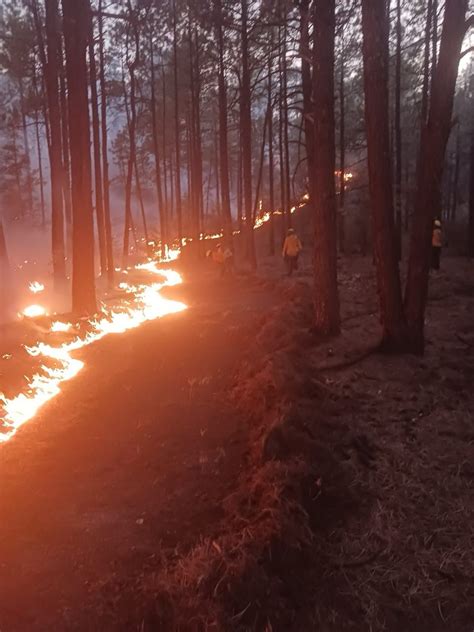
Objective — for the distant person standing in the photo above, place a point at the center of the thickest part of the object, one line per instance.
(436, 245)
(291, 251)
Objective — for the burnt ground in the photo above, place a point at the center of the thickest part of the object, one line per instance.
(223, 470)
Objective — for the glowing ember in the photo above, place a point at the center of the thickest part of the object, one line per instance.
(36, 287)
(33, 311)
(148, 305)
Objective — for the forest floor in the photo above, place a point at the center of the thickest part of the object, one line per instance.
(222, 470)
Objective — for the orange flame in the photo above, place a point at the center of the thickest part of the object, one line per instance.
(33, 311)
(36, 287)
(149, 305)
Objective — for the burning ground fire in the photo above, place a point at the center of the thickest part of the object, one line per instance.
(148, 304)
(59, 364)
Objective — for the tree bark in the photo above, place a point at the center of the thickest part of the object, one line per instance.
(375, 52)
(457, 164)
(398, 133)
(4, 262)
(98, 180)
(223, 127)
(156, 151)
(39, 150)
(52, 86)
(105, 153)
(76, 17)
(178, 196)
(128, 225)
(66, 172)
(196, 183)
(434, 138)
(426, 64)
(326, 296)
(286, 143)
(281, 149)
(246, 136)
(342, 156)
(26, 144)
(271, 170)
(307, 85)
(470, 237)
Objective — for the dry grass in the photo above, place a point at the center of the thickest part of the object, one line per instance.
(355, 511)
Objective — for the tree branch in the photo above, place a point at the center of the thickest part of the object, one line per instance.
(466, 52)
(469, 22)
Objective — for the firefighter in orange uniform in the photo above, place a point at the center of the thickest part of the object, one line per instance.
(291, 251)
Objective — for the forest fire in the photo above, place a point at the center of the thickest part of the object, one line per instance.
(59, 364)
(34, 311)
(36, 287)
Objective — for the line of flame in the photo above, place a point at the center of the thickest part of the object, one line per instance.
(43, 386)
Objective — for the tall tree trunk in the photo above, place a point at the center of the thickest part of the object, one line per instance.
(129, 224)
(434, 138)
(223, 127)
(66, 172)
(434, 56)
(240, 187)
(44, 63)
(470, 237)
(457, 164)
(156, 151)
(105, 153)
(398, 133)
(195, 205)
(4, 262)
(26, 144)
(163, 145)
(260, 165)
(177, 133)
(217, 176)
(307, 86)
(141, 203)
(271, 170)
(375, 51)
(133, 116)
(39, 149)
(281, 149)
(326, 303)
(286, 142)
(198, 135)
(342, 155)
(17, 169)
(56, 167)
(76, 20)
(426, 64)
(98, 181)
(246, 136)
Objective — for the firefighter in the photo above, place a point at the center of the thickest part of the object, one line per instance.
(291, 251)
(436, 245)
